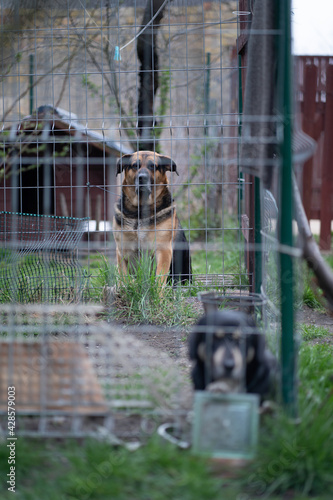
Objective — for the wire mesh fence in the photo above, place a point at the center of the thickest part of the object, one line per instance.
(83, 84)
(39, 260)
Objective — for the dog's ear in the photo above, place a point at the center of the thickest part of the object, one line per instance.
(197, 337)
(167, 163)
(123, 161)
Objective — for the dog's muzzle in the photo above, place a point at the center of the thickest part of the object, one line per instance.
(227, 363)
(143, 184)
(226, 370)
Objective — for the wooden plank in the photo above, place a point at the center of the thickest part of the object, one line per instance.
(98, 216)
(327, 174)
(310, 87)
(63, 205)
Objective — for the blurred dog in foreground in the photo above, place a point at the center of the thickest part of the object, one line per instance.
(230, 355)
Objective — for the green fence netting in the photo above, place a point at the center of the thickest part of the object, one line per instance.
(38, 258)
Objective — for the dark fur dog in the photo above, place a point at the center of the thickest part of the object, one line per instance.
(146, 219)
(230, 355)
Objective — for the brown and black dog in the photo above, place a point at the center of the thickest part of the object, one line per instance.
(230, 355)
(146, 220)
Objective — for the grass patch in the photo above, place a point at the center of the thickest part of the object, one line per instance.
(172, 310)
(216, 262)
(311, 332)
(297, 455)
(227, 260)
(294, 458)
(105, 275)
(140, 298)
(40, 277)
(95, 470)
(311, 297)
(316, 372)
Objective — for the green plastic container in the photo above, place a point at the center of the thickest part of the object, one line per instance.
(225, 425)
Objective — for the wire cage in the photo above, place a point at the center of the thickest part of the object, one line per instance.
(74, 375)
(39, 257)
(86, 83)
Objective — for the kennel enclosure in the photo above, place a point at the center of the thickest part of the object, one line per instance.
(84, 82)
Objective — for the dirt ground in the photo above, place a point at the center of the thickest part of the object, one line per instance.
(310, 316)
(174, 343)
(174, 340)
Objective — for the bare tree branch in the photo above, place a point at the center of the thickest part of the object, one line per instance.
(148, 73)
(311, 252)
(67, 59)
(111, 83)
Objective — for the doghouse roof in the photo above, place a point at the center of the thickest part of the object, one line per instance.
(67, 122)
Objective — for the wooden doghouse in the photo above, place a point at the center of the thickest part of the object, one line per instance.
(53, 165)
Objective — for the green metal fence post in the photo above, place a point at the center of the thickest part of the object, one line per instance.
(286, 215)
(257, 237)
(240, 114)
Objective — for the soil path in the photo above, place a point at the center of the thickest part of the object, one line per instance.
(174, 340)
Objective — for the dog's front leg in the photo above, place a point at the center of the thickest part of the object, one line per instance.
(163, 261)
(122, 264)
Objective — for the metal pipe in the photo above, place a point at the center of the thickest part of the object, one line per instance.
(31, 83)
